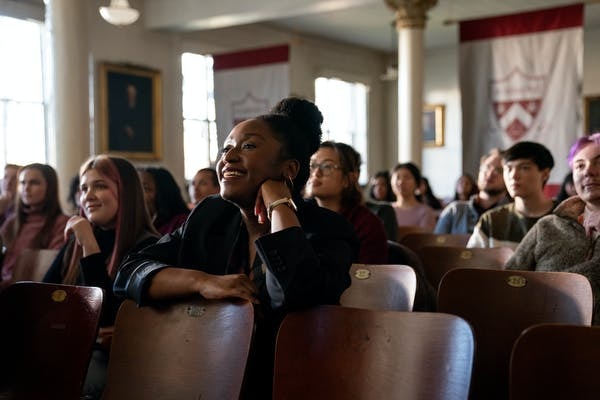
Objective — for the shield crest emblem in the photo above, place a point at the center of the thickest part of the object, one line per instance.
(248, 107)
(516, 100)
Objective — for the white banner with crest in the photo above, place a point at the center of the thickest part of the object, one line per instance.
(520, 79)
(248, 83)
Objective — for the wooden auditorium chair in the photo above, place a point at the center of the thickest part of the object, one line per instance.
(425, 296)
(47, 332)
(500, 304)
(437, 260)
(381, 287)
(415, 241)
(340, 353)
(194, 349)
(409, 229)
(556, 361)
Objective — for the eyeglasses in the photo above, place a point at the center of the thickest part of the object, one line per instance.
(491, 168)
(325, 168)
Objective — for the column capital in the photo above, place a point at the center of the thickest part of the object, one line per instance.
(410, 13)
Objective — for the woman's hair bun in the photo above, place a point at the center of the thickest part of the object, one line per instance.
(305, 115)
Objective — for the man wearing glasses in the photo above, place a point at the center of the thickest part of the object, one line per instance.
(461, 216)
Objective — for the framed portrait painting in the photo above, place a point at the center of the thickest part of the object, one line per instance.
(433, 125)
(130, 111)
(591, 114)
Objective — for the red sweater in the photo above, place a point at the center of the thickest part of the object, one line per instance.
(371, 234)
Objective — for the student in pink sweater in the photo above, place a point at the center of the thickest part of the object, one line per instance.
(38, 222)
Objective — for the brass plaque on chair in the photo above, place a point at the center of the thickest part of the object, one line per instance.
(466, 254)
(362, 273)
(440, 239)
(516, 281)
(195, 311)
(58, 296)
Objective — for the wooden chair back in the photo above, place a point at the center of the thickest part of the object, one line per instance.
(555, 361)
(500, 304)
(437, 260)
(32, 264)
(416, 241)
(193, 349)
(333, 352)
(409, 229)
(47, 332)
(425, 296)
(381, 287)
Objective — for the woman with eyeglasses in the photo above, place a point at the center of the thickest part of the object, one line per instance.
(258, 241)
(333, 183)
(406, 179)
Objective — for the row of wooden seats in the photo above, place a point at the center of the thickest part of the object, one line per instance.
(498, 304)
(343, 353)
(47, 332)
(145, 359)
(439, 253)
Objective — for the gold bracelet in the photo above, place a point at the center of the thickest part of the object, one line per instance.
(284, 200)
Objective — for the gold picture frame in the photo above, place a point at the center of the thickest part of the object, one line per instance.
(591, 108)
(130, 111)
(433, 125)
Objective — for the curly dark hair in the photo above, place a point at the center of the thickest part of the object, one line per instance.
(296, 123)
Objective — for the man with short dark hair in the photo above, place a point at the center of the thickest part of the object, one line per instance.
(461, 216)
(526, 167)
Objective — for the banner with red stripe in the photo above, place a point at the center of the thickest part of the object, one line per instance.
(248, 83)
(520, 79)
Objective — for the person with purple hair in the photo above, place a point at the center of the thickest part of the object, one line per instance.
(567, 239)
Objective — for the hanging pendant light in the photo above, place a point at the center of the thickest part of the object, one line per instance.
(119, 13)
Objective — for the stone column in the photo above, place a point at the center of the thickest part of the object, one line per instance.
(410, 24)
(68, 112)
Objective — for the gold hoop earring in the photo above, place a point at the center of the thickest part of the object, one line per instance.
(290, 184)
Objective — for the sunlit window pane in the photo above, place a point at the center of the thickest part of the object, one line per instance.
(22, 108)
(344, 108)
(199, 127)
(24, 122)
(21, 66)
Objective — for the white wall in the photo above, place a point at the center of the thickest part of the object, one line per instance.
(310, 58)
(135, 45)
(443, 165)
(591, 61)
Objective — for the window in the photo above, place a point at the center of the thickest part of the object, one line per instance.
(199, 127)
(22, 107)
(344, 108)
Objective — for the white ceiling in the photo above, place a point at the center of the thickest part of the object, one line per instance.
(366, 23)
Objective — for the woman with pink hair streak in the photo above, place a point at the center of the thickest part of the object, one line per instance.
(113, 222)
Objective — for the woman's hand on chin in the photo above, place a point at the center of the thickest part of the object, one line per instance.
(226, 286)
(269, 191)
(84, 234)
